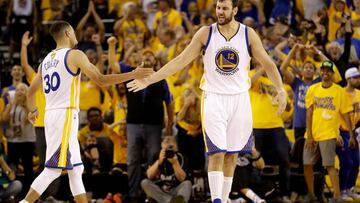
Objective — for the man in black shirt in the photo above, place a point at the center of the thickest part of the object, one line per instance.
(145, 117)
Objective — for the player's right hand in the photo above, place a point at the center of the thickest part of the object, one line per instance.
(32, 116)
(26, 39)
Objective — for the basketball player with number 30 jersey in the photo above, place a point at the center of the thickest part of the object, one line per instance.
(226, 110)
(59, 77)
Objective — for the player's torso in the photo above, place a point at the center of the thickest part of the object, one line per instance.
(60, 85)
(226, 62)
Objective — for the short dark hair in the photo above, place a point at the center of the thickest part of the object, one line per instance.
(93, 109)
(234, 2)
(57, 29)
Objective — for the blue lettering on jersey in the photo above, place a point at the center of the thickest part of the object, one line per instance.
(52, 83)
(51, 64)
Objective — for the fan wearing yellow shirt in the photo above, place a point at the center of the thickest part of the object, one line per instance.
(188, 118)
(130, 25)
(325, 103)
(166, 17)
(335, 14)
(269, 132)
(40, 100)
(349, 153)
(98, 129)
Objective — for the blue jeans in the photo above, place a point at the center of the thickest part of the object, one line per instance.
(13, 189)
(141, 137)
(349, 163)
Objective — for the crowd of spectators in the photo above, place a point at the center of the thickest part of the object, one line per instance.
(149, 144)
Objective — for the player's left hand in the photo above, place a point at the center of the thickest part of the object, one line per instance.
(137, 85)
(32, 116)
(280, 99)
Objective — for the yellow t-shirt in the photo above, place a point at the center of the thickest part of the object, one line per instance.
(264, 112)
(89, 95)
(118, 141)
(132, 28)
(119, 5)
(46, 9)
(355, 113)
(40, 104)
(355, 16)
(120, 109)
(192, 120)
(329, 104)
(173, 19)
(287, 116)
(332, 25)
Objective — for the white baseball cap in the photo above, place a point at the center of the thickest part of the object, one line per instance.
(352, 72)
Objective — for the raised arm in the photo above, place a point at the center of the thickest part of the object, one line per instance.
(79, 59)
(188, 55)
(271, 70)
(289, 76)
(29, 71)
(79, 29)
(114, 65)
(99, 23)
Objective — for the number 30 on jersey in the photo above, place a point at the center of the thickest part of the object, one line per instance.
(52, 82)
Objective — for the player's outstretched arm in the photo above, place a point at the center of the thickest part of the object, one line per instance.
(271, 70)
(36, 83)
(78, 59)
(187, 56)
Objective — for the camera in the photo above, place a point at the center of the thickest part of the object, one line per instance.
(169, 153)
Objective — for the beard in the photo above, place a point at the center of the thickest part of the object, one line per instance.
(148, 64)
(225, 21)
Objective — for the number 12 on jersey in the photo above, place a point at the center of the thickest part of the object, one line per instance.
(52, 83)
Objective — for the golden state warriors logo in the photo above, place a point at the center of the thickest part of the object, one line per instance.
(227, 61)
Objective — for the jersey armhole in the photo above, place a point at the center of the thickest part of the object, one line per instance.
(67, 67)
(208, 39)
(247, 41)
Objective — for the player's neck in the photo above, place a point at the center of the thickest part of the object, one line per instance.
(229, 26)
(61, 45)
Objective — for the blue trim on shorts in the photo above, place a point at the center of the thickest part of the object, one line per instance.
(78, 164)
(56, 167)
(67, 67)
(216, 151)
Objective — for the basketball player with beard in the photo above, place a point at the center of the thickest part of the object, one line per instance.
(226, 111)
(227, 48)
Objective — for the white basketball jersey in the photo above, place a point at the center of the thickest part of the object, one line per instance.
(226, 62)
(61, 87)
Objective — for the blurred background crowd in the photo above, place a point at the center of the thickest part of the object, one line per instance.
(122, 134)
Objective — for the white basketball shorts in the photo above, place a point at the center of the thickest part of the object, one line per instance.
(62, 146)
(227, 122)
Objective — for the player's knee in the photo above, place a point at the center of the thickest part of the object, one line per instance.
(217, 157)
(51, 174)
(230, 158)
